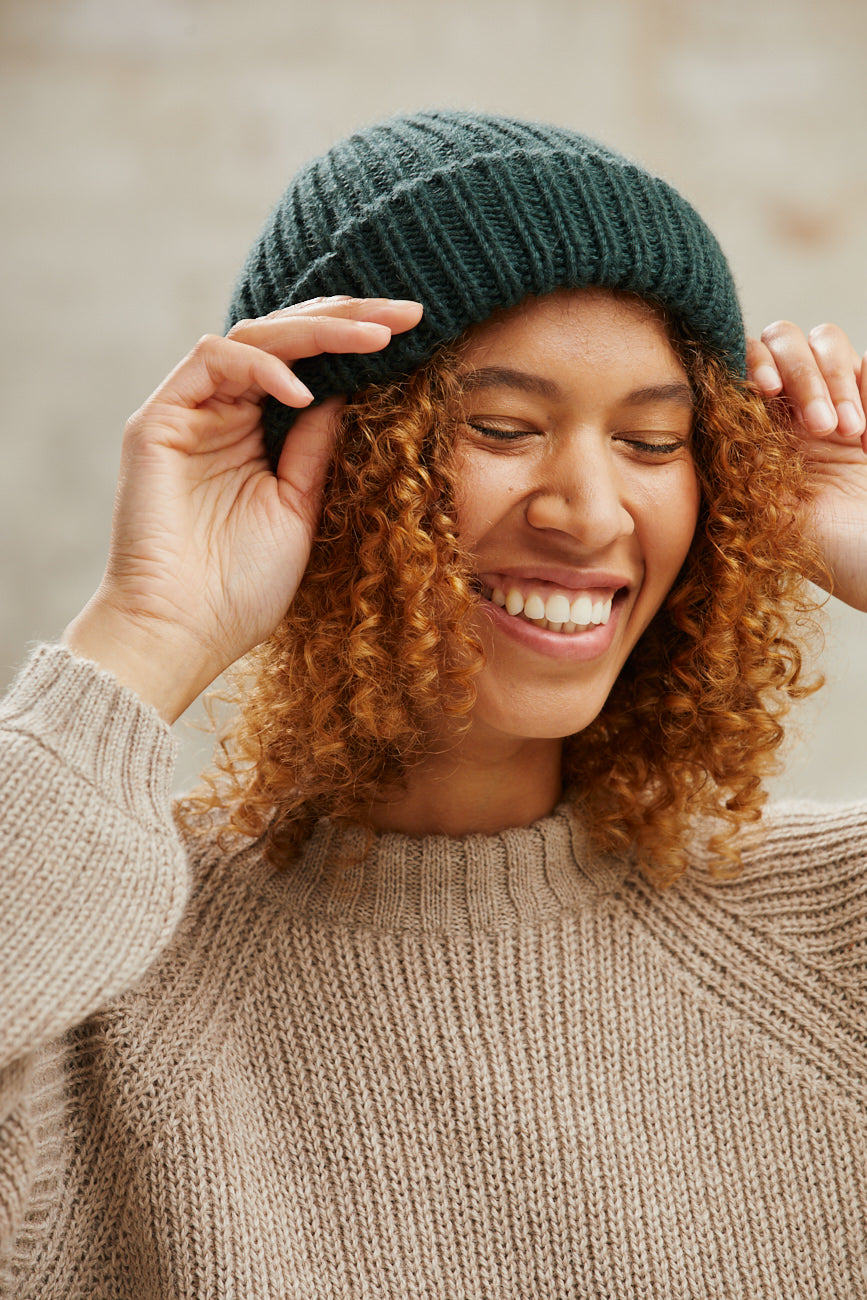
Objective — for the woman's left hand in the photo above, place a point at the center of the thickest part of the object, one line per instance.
(825, 383)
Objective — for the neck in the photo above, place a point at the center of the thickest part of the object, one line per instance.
(479, 786)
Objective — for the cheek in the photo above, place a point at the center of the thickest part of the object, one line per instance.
(681, 512)
(691, 498)
(486, 490)
(669, 514)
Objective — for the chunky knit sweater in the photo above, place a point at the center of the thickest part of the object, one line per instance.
(458, 1069)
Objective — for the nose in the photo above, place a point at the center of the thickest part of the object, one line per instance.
(581, 493)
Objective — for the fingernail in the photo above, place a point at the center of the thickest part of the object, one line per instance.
(850, 421)
(768, 379)
(819, 416)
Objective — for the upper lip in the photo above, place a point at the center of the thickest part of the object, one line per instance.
(559, 575)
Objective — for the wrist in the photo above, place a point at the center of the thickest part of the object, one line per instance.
(162, 664)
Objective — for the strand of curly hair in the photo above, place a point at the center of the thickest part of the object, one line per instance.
(337, 707)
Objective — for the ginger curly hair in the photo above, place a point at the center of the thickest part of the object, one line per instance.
(338, 705)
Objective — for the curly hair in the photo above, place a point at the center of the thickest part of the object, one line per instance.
(338, 706)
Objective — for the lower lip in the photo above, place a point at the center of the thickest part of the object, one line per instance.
(574, 646)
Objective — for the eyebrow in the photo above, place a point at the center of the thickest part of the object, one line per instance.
(504, 377)
(677, 392)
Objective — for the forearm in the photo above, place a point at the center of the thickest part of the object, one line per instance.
(93, 874)
(164, 667)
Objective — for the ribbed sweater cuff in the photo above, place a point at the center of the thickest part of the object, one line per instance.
(94, 877)
(98, 728)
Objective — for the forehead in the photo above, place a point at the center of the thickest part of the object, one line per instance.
(586, 311)
(588, 333)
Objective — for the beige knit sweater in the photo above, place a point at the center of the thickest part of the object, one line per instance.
(477, 1068)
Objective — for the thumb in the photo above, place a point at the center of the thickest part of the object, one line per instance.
(306, 454)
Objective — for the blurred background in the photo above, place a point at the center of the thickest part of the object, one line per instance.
(144, 141)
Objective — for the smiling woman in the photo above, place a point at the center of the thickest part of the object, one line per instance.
(506, 548)
(577, 487)
(558, 452)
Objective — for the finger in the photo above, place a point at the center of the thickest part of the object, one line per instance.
(398, 313)
(761, 369)
(841, 367)
(221, 369)
(803, 382)
(291, 337)
(347, 318)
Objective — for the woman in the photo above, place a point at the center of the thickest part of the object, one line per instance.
(403, 1010)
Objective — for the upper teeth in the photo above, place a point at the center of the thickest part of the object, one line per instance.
(557, 612)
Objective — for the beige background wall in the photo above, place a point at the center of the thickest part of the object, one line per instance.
(143, 142)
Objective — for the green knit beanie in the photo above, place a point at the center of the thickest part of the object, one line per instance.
(467, 213)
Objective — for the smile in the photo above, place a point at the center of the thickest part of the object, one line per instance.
(555, 611)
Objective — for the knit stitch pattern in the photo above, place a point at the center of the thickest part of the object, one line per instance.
(486, 1067)
(468, 213)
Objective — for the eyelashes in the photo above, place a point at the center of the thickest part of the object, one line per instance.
(641, 445)
(502, 435)
(655, 448)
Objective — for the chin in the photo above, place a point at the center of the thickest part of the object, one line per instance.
(521, 718)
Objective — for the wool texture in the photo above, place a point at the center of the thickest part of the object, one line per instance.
(472, 1068)
(468, 213)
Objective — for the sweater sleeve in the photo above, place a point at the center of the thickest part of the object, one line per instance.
(808, 881)
(93, 876)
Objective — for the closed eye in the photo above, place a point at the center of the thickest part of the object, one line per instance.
(651, 444)
(504, 434)
(655, 448)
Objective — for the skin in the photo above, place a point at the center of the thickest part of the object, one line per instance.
(575, 469)
(208, 546)
(825, 382)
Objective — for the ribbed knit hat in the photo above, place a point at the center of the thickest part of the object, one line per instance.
(467, 213)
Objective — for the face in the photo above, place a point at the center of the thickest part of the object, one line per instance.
(578, 500)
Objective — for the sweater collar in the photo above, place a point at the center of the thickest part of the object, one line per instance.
(440, 884)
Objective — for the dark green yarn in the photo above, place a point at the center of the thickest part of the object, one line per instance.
(468, 213)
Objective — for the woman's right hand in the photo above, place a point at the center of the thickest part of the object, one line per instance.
(208, 545)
